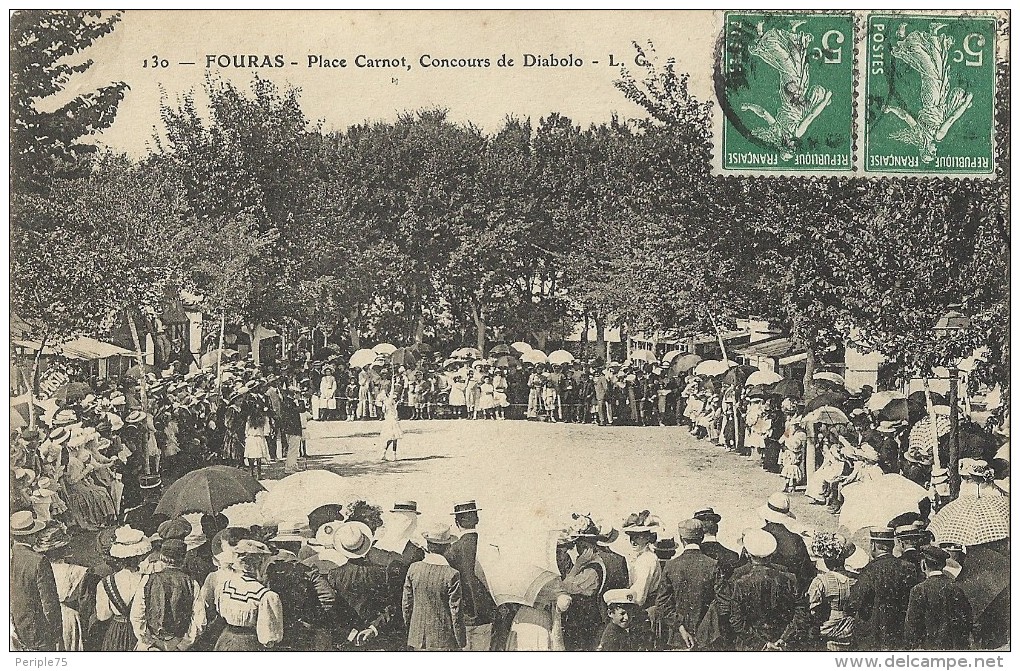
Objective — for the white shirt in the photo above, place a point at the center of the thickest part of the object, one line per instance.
(645, 575)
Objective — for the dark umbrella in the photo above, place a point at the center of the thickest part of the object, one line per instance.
(917, 400)
(894, 411)
(208, 490)
(682, 364)
(137, 371)
(737, 375)
(405, 357)
(756, 391)
(507, 362)
(823, 399)
(499, 350)
(72, 391)
(788, 388)
(822, 384)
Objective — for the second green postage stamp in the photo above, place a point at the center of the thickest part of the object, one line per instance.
(930, 95)
(786, 88)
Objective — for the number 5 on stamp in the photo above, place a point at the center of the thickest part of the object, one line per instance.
(787, 93)
(930, 95)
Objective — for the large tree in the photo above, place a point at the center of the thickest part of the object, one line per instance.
(45, 138)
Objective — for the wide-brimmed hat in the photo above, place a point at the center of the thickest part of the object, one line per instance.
(777, 509)
(63, 417)
(129, 542)
(24, 523)
(405, 507)
(118, 398)
(857, 560)
(640, 522)
(52, 538)
(759, 543)
(59, 435)
(465, 507)
(247, 546)
(977, 469)
(888, 426)
(150, 482)
(135, 417)
(290, 531)
(438, 533)
(353, 539)
(707, 515)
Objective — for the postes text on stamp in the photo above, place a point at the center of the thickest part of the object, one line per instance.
(929, 95)
(786, 92)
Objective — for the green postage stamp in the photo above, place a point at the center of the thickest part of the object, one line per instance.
(930, 95)
(786, 89)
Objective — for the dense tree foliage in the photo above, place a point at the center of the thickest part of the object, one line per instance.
(426, 230)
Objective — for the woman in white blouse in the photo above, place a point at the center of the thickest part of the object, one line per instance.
(116, 592)
(253, 612)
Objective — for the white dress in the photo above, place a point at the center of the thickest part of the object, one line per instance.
(391, 423)
(256, 446)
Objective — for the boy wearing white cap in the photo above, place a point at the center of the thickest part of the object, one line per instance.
(616, 637)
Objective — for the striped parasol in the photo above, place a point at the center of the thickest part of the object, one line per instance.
(972, 520)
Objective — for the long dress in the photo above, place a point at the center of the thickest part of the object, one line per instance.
(794, 443)
(89, 505)
(253, 615)
(457, 396)
(69, 579)
(113, 603)
(827, 598)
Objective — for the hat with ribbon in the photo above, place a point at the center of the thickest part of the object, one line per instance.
(59, 435)
(405, 507)
(63, 417)
(777, 509)
(707, 515)
(465, 507)
(52, 538)
(129, 542)
(353, 539)
(641, 522)
(24, 523)
(439, 534)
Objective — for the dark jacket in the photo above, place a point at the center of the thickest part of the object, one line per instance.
(367, 598)
(686, 590)
(35, 608)
(431, 606)
(766, 606)
(792, 554)
(938, 616)
(169, 603)
(878, 602)
(479, 607)
(616, 639)
(617, 574)
(198, 562)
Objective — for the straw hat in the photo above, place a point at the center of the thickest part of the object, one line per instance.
(129, 542)
(24, 523)
(759, 543)
(438, 533)
(353, 539)
(777, 509)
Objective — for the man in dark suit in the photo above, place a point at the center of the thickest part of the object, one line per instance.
(767, 611)
(479, 608)
(878, 601)
(939, 616)
(687, 588)
(35, 607)
(431, 601)
(791, 552)
(710, 545)
(366, 608)
(617, 574)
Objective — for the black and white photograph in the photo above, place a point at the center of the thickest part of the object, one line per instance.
(632, 330)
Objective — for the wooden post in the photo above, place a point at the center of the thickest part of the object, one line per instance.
(718, 335)
(219, 352)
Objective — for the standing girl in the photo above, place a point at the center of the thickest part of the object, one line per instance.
(391, 431)
(256, 438)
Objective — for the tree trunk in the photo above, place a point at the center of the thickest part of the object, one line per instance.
(419, 327)
(353, 331)
(809, 372)
(143, 385)
(541, 337)
(255, 354)
(33, 387)
(600, 337)
(954, 432)
(478, 315)
(584, 335)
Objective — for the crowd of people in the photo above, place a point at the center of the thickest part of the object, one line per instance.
(358, 577)
(96, 463)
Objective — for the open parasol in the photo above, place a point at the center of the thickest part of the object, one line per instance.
(643, 355)
(384, 348)
(221, 355)
(517, 574)
(881, 399)
(668, 357)
(362, 358)
(788, 388)
(737, 375)
(827, 415)
(683, 364)
(972, 520)
(520, 347)
(507, 362)
(71, 392)
(468, 353)
(762, 377)
(711, 367)
(828, 376)
(208, 490)
(825, 398)
(293, 497)
(405, 357)
(500, 350)
(872, 503)
(561, 356)
(534, 356)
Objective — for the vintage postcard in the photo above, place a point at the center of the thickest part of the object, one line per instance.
(588, 331)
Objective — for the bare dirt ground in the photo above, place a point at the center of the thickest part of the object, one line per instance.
(529, 476)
